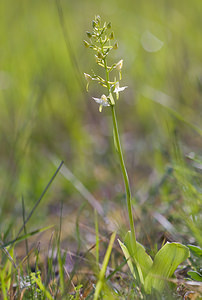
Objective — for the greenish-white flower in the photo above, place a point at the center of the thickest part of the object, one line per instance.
(88, 79)
(119, 65)
(103, 101)
(118, 89)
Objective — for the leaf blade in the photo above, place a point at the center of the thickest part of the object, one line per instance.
(142, 260)
(165, 263)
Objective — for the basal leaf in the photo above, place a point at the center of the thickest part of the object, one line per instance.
(142, 260)
(128, 257)
(197, 251)
(195, 275)
(165, 263)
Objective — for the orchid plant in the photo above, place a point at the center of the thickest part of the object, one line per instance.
(151, 274)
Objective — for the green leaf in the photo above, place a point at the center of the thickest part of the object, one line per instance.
(165, 263)
(195, 275)
(128, 257)
(141, 259)
(197, 251)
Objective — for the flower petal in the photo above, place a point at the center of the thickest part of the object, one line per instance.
(97, 100)
(122, 88)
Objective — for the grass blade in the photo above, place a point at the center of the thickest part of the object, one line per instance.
(104, 267)
(25, 236)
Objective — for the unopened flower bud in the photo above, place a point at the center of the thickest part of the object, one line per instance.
(111, 36)
(86, 44)
(99, 55)
(89, 35)
(115, 46)
(97, 18)
(109, 25)
(93, 24)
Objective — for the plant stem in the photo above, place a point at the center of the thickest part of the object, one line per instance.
(123, 168)
(125, 176)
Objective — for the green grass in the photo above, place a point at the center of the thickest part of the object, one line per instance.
(46, 117)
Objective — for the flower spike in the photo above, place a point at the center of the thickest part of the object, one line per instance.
(100, 39)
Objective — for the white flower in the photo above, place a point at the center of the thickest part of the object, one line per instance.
(88, 79)
(118, 89)
(103, 101)
(119, 65)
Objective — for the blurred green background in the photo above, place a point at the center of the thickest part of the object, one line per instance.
(46, 112)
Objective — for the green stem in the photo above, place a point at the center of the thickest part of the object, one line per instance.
(123, 168)
(125, 176)
(107, 75)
